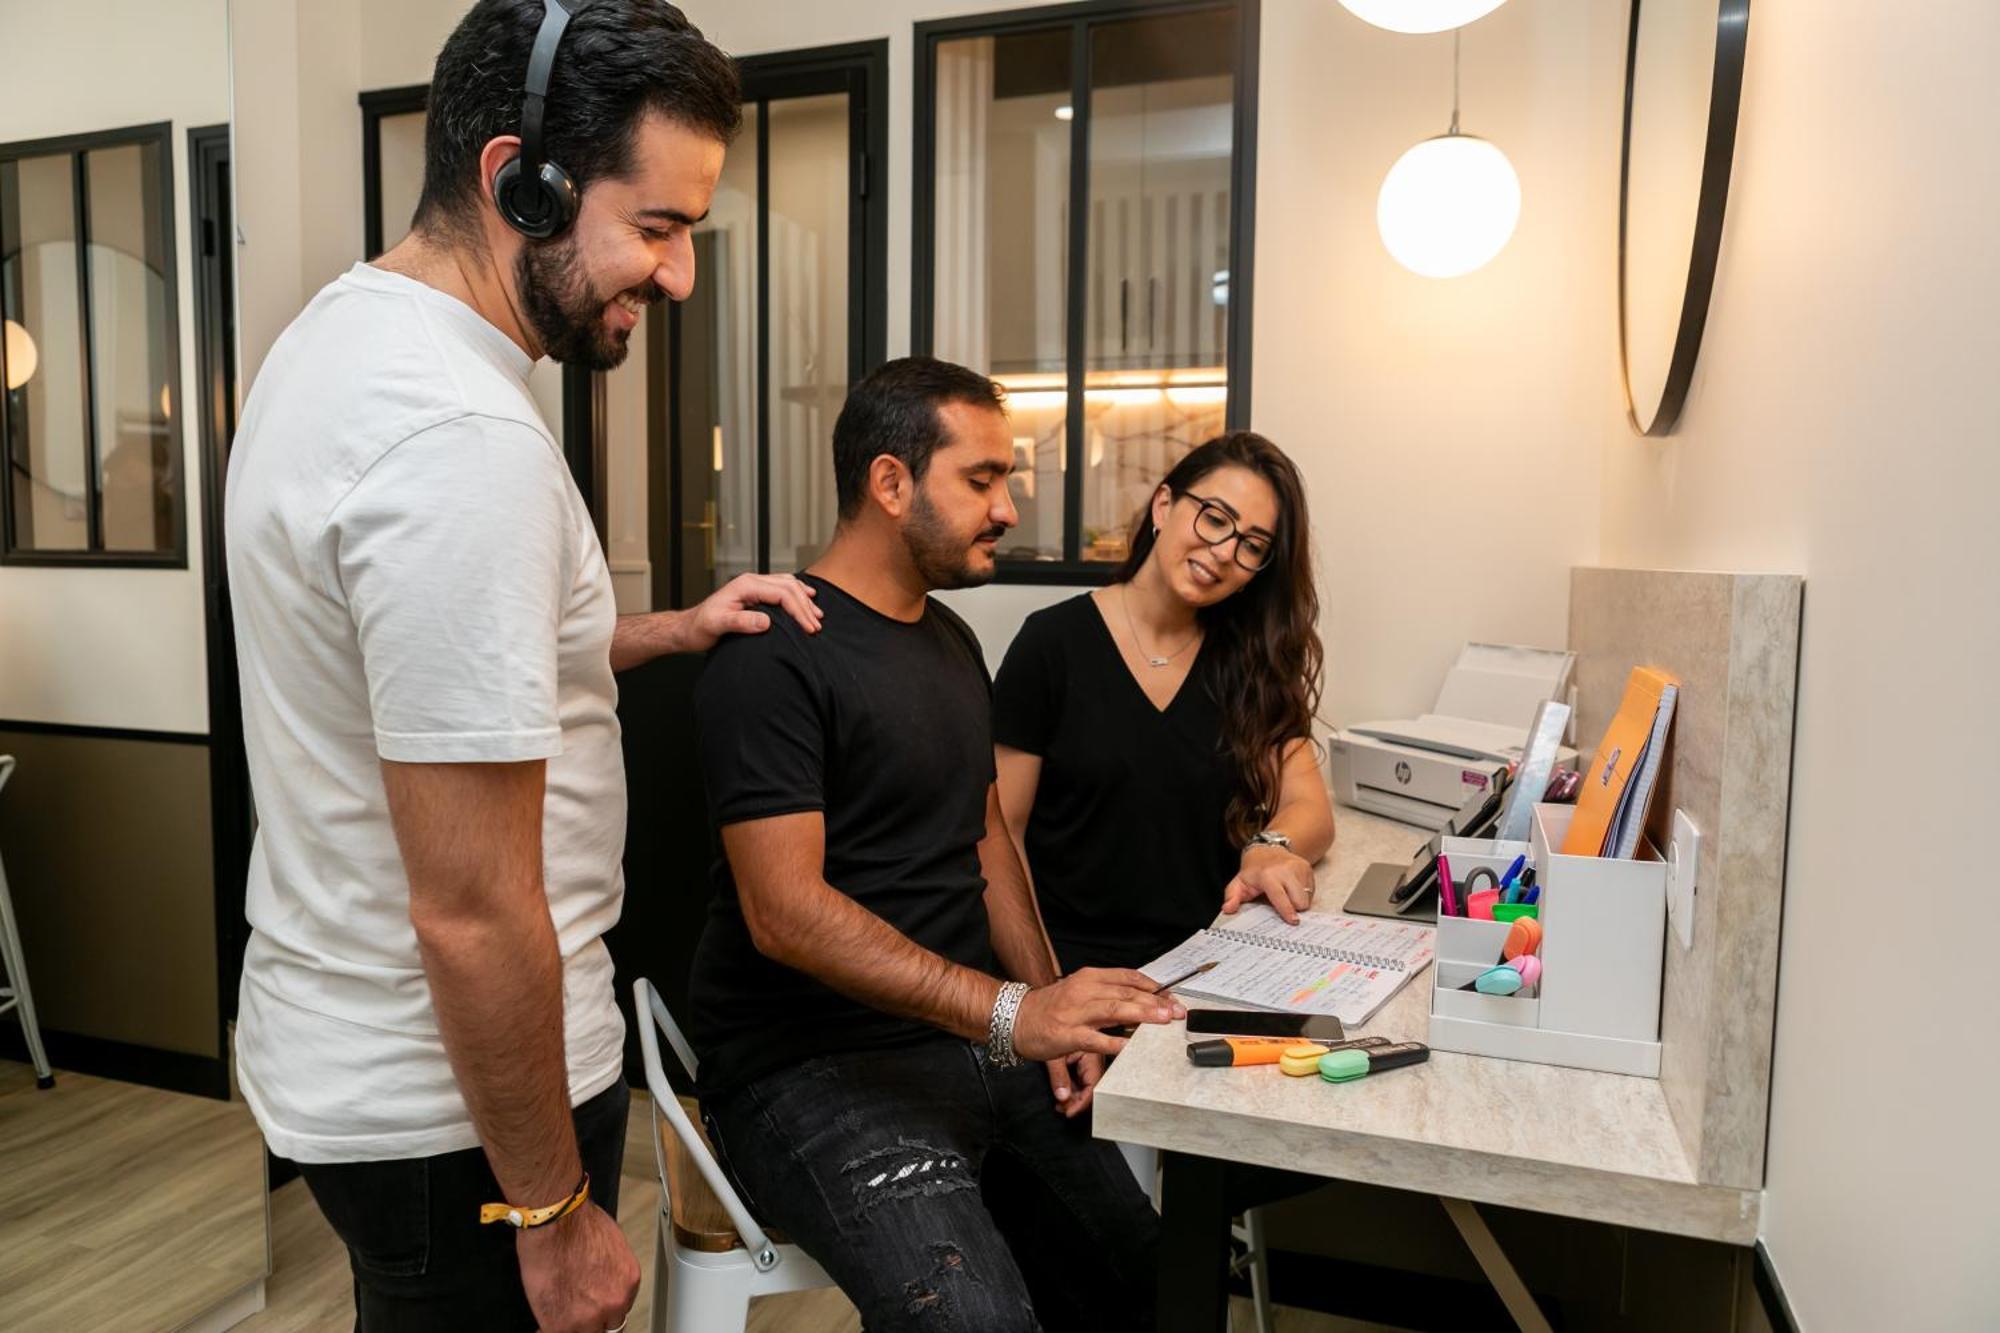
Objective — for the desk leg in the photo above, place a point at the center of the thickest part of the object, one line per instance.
(1194, 1245)
(1493, 1262)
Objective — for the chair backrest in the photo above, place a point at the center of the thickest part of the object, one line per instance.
(692, 1182)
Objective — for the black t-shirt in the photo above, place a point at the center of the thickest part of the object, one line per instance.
(885, 728)
(1126, 841)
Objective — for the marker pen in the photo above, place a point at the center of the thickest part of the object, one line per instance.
(1346, 1066)
(1225, 1052)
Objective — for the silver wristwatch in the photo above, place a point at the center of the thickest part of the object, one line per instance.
(1000, 1052)
(1268, 838)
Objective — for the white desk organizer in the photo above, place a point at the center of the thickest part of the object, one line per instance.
(1603, 935)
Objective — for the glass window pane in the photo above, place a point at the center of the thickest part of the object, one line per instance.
(1161, 123)
(808, 305)
(716, 350)
(402, 173)
(1001, 277)
(130, 345)
(45, 388)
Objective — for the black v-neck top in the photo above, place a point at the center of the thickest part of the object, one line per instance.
(1126, 840)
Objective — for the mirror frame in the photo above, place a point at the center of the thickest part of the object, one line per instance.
(1732, 28)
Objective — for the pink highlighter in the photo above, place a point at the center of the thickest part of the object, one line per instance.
(1447, 894)
(1510, 978)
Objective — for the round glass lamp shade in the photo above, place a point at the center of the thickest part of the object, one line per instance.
(1420, 15)
(21, 356)
(1448, 205)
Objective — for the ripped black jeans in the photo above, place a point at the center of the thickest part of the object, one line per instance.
(942, 1193)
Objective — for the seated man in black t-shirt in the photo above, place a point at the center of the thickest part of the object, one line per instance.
(874, 1002)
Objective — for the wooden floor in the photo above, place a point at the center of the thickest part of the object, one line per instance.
(131, 1208)
(123, 1206)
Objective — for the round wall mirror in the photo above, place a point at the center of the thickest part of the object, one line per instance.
(1683, 80)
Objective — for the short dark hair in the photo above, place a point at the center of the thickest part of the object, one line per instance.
(619, 60)
(894, 411)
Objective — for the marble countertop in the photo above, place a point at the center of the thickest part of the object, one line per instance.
(1567, 1141)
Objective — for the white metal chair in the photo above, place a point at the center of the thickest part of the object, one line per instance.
(15, 994)
(1248, 1231)
(712, 1257)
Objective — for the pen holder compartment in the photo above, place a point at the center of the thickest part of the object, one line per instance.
(1469, 854)
(1466, 948)
(1603, 940)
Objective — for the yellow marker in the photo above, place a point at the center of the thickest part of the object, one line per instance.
(1301, 1060)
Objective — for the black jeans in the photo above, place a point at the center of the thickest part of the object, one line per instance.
(942, 1193)
(421, 1260)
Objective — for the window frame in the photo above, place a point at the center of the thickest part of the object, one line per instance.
(860, 70)
(160, 135)
(1081, 18)
(377, 105)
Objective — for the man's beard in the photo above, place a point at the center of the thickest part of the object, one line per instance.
(942, 558)
(567, 316)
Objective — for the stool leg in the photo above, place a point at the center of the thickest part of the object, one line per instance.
(1260, 1268)
(663, 1260)
(707, 1297)
(17, 976)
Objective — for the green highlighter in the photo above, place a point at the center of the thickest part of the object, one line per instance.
(1346, 1066)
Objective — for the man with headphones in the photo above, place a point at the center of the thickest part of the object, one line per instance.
(427, 635)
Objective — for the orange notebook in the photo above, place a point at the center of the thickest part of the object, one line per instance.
(1618, 785)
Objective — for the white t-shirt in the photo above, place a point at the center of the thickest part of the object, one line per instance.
(415, 578)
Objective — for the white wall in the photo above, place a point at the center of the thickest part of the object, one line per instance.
(1446, 429)
(115, 647)
(1839, 425)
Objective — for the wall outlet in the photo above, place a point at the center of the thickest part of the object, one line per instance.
(1683, 859)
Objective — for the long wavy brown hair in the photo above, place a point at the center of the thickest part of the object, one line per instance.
(1263, 639)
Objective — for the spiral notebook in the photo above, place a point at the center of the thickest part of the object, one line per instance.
(1341, 965)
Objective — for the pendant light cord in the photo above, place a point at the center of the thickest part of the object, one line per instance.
(1456, 33)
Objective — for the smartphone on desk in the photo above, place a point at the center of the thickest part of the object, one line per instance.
(1255, 1023)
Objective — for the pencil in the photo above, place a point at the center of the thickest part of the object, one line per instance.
(1166, 986)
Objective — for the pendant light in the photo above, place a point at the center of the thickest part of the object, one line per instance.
(1420, 15)
(1450, 204)
(22, 358)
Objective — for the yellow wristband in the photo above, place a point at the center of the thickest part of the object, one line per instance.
(525, 1218)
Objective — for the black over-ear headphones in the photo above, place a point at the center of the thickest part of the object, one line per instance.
(536, 196)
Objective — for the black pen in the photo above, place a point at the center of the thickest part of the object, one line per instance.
(1166, 986)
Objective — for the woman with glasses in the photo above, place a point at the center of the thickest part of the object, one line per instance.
(1154, 737)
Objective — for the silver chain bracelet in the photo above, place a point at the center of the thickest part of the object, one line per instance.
(1000, 1051)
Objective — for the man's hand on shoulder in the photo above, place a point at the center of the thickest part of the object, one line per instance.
(732, 608)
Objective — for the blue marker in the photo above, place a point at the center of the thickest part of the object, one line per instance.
(1507, 880)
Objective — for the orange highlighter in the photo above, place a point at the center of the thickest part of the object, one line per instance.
(1227, 1051)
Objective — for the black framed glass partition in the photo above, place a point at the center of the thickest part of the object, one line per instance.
(788, 309)
(392, 162)
(90, 358)
(1084, 178)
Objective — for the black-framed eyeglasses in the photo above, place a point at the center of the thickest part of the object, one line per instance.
(1214, 524)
